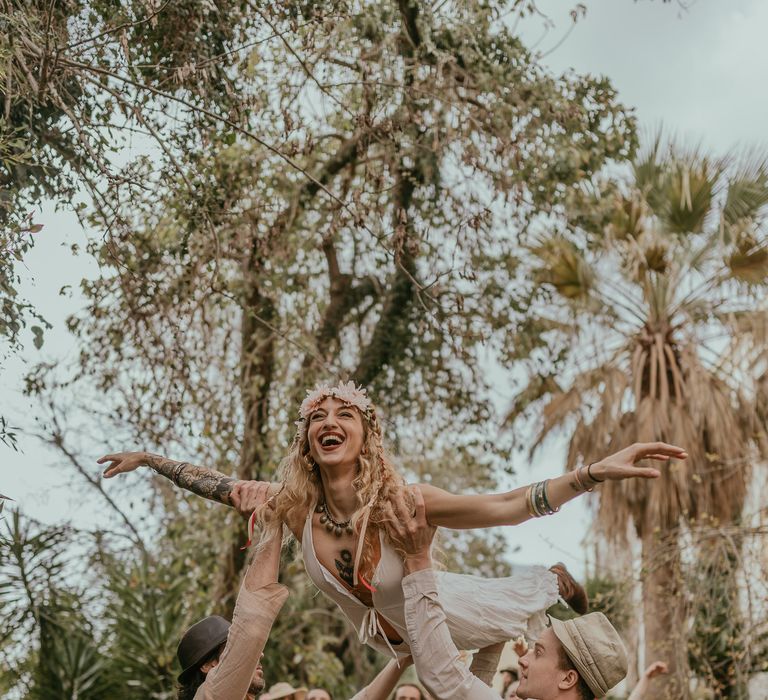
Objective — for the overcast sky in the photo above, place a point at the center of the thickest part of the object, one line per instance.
(700, 72)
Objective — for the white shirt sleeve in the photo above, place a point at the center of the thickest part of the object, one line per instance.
(435, 656)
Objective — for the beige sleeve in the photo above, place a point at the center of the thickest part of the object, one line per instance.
(384, 683)
(486, 661)
(255, 613)
(435, 656)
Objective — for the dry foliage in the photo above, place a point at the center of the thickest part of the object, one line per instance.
(652, 310)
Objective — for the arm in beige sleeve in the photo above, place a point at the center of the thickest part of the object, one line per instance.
(641, 689)
(258, 603)
(265, 564)
(486, 661)
(435, 656)
(384, 683)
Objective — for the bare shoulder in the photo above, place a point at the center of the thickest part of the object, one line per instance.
(430, 492)
(295, 523)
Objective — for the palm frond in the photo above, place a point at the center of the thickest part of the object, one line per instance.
(647, 170)
(629, 217)
(749, 325)
(747, 195)
(538, 386)
(564, 267)
(70, 662)
(687, 199)
(572, 402)
(748, 263)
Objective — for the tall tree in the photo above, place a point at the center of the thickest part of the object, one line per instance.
(651, 300)
(342, 209)
(287, 191)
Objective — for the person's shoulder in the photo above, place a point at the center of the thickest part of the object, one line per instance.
(294, 521)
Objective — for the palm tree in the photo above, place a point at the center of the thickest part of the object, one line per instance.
(48, 647)
(108, 632)
(652, 303)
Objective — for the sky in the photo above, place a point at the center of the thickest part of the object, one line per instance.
(697, 72)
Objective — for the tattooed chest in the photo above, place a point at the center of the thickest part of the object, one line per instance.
(345, 563)
(336, 554)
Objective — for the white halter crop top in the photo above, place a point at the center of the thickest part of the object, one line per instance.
(388, 599)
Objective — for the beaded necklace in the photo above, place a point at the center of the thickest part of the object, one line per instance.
(330, 524)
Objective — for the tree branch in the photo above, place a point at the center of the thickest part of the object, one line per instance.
(57, 440)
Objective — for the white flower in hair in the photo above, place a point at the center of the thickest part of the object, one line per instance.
(346, 392)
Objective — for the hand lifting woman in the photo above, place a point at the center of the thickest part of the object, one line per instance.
(334, 485)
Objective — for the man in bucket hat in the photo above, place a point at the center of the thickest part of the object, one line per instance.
(581, 659)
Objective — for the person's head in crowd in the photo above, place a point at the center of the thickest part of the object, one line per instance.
(198, 653)
(318, 694)
(408, 691)
(579, 659)
(285, 691)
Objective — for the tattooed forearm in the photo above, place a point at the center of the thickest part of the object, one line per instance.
(203, 481)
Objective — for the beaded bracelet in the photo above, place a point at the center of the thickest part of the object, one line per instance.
(536, 500)
(548, 509)
(530, 502)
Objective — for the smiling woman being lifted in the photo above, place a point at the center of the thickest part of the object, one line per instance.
(336, 489)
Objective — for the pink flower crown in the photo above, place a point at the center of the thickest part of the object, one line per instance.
(346, 392)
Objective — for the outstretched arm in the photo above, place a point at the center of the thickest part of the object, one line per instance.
(437, 660)
(203, 481)
(384, 683)
(258, 602)
(488, 510)
(640, 690)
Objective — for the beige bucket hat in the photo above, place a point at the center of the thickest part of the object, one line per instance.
(595, 648)
(283, 690)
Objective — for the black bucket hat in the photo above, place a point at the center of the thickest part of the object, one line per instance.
(199, 641)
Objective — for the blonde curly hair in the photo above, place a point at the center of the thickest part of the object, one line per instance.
(377, 482)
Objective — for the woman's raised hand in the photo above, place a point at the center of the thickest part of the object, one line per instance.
(622, 464)
(123, 462)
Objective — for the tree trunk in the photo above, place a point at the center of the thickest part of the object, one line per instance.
(664, 616)
(718, 653)
(257, 361)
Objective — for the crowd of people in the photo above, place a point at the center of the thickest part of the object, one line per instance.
(285, 691)
(366, 540)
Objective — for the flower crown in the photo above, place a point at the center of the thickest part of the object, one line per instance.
(346, 392)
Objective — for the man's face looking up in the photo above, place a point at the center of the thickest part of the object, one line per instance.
(540, 673)
(408, 692)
